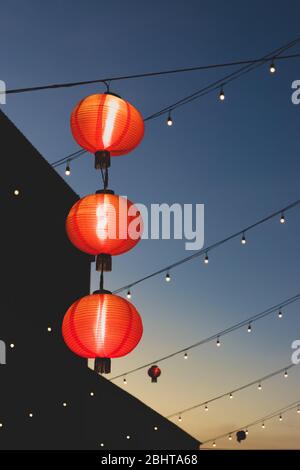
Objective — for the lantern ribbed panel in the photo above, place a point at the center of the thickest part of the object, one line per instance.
(107, 122)
(102, 325)
(97, 223)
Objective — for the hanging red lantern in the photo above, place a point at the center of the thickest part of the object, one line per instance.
(105, 125)
(154, 372)
(102, 326)
(105, 225)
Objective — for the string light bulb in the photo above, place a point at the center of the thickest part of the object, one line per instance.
(186, 355)
(49, 329)
(127, 437)
(206, 260)
(64, 404)
(249, 328)
(179, 418)
(12, 345)
(286, 374)
(263, 425)
(206, 407)
(169, 120)
(243, 240)
(280, 314)
(92, 394)
(259, 386)
(246, 432)
(125, 381)
(218, 342)
(214, 444)
(230, 437)
(68, 169)
(16, 192)
(222, 95)
(168, 277)
(298, 409)
(282, 218)
(155, 428)
(230, 395)
(272, 67)
(280, 417)
(128, 295)
(30, 415)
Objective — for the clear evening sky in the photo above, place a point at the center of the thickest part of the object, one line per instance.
(240, 158)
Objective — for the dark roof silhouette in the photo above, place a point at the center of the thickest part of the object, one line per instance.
(45, 390)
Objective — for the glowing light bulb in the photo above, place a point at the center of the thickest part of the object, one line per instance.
(155, 428)
(286, 374)
(12, 345)
(282, 219)
(16, 192)
(68, 170)
(272, 68)
(230, 437)
(168, 277)
(280, 314)
(214, 444)
(49, 329)
(169, 120)
(127, 437)
(243, 240)
(298, 409)
(263, 425)
(230, 395)
(30, 415)
(64, 404)
(249, 328)
(101, 445)
(259, 387)
(246, 432)
(206, 407)
(179, 418)
(128, 295)
(206, 260)
(185, 355)
(125, 381)
(222, 95)
(1, 425)
(92, 394)
(218, 342)
(280, 418)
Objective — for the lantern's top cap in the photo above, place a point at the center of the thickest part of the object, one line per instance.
(113, 94)
(105, 191)
(102, 291)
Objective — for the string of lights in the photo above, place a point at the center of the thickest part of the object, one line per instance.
(56, 86)
(283, 371)
(278, 413)
(240, 234)
(216, 85)
(217, 336)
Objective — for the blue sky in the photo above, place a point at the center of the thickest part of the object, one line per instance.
(240, 158)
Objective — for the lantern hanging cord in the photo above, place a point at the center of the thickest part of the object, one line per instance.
(101, 279)
(250, 65)
(215, 336)
(104, 175)
(274, 414)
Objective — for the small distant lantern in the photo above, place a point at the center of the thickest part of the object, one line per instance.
(106, 125)
(241, 436)
(154, 372)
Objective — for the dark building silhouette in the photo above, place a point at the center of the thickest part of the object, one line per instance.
(41, 275)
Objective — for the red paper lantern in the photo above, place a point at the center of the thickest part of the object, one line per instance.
(154, 372)
(102, 326)
(106, 122)
(104, 223)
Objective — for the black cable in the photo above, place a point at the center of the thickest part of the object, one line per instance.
(135, 76)
(209, 248)
(281, 411)
(218, 335)
(205, 90)
(238, 389)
